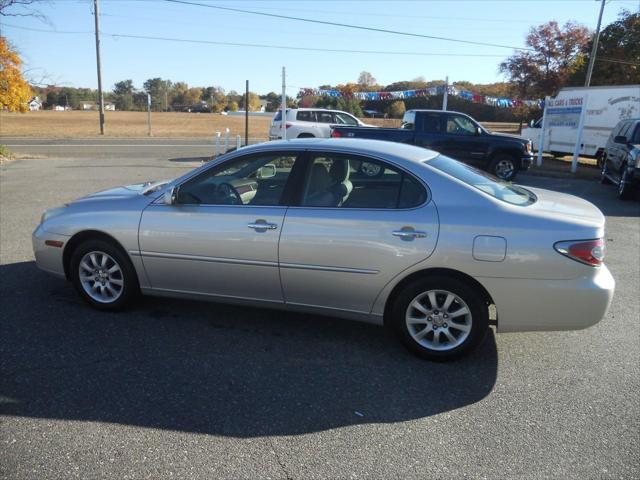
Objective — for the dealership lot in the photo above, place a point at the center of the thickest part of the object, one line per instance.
(205, 390)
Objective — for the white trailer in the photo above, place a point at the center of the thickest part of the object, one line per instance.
(606, 106)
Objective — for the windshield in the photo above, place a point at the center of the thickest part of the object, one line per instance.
(483, 181)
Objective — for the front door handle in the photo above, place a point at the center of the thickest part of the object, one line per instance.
(262, 225)
(406, 234)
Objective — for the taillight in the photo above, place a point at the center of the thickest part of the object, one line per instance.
(589, 252)
(288, 125)
(335, 134)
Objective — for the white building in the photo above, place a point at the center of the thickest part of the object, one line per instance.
(35, 104)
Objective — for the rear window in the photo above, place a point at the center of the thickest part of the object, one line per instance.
(483, 181)
(409, 120)
(278, 116)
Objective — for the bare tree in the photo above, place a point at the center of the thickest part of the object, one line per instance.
(366, 79)
(23, 8)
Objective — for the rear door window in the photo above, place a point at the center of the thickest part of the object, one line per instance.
(432, 123)
(324, 117)
(305, 116)
(351, 181)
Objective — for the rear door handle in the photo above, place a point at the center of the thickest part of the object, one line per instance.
(262, 225)
(409, 234)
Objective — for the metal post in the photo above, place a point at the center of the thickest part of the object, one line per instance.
(226, 140)
(576, 149)
(217, 143)
(544, 127)
(283, 119)
(594, 49)
(149, 113)
(96, 14)
(446, 93)
(238, 142)
(246, 114)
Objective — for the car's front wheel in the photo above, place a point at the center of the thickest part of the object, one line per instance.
(504, 167)
(103, 275)
(440, 318)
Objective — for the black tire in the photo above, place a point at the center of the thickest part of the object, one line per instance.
(504, 166)
(478, 320)
(603, 173)
(625, 188)
(130, 288)
(306, 135)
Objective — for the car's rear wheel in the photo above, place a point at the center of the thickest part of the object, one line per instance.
(440, 318)
(103, 275)
(504, 167)
(625, 188)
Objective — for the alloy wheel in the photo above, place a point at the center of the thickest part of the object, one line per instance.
(101, 277)
(504, 169)
(438, 320)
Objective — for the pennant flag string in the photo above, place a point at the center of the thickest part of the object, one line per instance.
(425, 92)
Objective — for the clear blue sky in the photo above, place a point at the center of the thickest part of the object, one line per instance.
(69, 59)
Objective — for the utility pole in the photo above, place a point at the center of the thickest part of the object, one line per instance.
(246, 115)
(594, 49)
(283, 119)
(96, 13)
(445, 94)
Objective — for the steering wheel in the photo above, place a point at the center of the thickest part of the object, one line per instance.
(371, 170)
(228, 191)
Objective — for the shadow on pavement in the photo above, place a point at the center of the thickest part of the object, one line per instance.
(213, 369)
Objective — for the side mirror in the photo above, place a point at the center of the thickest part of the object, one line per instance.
(266, 171)
(620, 139)
(478, 131)
(532, 123)
(170, 197)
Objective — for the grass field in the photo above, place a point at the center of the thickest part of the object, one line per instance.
(50, 124)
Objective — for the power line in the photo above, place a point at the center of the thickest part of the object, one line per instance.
(347, 25)
(283, 47)
(259, 45)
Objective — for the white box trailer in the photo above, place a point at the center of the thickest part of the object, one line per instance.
(606, 106)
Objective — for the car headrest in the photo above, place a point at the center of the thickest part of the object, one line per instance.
(339, 170)
(320, 178)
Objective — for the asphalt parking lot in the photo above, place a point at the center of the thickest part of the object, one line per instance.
(200, 390)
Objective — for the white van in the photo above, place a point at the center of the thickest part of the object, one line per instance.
(311, 122)
(606, 106)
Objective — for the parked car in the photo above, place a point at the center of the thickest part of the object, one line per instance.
(310, 122)
(456, 135)
(426, 248)
(621, 159)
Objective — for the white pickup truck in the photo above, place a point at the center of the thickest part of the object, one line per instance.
(606, 106)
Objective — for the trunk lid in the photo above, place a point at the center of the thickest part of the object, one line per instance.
(566, 208)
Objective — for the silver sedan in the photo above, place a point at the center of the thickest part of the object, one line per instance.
(366, 230)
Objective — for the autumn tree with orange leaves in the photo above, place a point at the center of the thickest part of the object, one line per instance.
(15, 92)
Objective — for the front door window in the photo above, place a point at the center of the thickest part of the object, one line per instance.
(249, 180)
